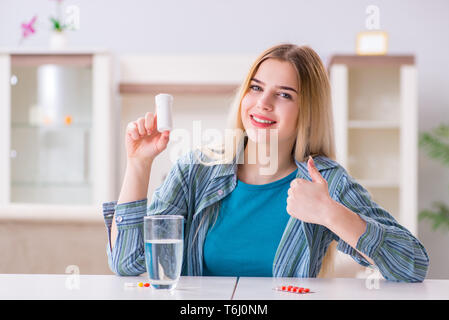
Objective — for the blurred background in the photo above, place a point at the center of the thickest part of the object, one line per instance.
(74, 73)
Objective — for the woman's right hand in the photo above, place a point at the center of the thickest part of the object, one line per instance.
(143, 141)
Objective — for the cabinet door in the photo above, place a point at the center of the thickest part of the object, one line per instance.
(51, 129)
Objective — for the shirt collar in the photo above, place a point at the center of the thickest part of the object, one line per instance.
(321, 163)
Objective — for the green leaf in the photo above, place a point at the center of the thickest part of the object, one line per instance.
(56, 24)
(442, 131)
(435, 145)
(440, 217)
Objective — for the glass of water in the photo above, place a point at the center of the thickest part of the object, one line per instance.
(164, 243)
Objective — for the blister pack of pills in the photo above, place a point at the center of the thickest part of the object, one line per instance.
(293, 289)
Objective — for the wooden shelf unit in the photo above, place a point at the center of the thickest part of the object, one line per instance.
(374, 102)
(180, 88)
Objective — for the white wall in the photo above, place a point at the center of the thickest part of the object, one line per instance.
(247, 27)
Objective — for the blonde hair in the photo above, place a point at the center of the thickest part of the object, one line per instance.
(315, 134)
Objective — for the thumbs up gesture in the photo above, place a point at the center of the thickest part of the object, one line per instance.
(310, 201)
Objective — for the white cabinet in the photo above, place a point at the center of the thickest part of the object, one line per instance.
(56, 128)
(375, 114)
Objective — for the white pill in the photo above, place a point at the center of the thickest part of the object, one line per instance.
(130, 284)
(164, 104)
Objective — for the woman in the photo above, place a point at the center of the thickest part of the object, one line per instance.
(243, 221)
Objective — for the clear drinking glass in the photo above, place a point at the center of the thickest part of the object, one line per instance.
(164, 243)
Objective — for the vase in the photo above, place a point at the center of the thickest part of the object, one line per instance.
(58, 40)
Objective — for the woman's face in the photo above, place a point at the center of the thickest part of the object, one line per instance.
(271, 102)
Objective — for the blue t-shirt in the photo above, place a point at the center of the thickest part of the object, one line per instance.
(249, 227)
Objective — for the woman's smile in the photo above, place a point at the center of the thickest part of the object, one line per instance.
(261, 121)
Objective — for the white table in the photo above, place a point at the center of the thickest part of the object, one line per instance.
(340, 289)
(109, 287)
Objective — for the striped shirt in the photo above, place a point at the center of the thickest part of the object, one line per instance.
(195, 191)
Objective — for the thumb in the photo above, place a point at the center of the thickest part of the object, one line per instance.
(313, 171)
(163, 140)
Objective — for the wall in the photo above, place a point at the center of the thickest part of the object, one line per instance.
(248, 27)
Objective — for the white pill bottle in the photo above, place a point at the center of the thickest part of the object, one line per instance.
(164, 103)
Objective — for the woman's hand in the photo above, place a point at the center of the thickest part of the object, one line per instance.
(143, 141)
(310, 201)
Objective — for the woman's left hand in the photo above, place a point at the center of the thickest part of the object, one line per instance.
(310, 201)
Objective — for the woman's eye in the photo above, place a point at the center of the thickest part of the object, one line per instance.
(285, 95)
(255, 88)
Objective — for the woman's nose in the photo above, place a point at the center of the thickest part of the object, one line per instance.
(264, 102)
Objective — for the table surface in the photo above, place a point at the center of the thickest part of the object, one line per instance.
(95, 287)
(340, 289)
(109, 287)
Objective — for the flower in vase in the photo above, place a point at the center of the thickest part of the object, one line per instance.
(57, 23)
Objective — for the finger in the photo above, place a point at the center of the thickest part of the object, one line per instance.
(163, 140)
(149, 122)
(288, 208)
(293, 183)
(132, 131)
(313, 171)
(141, 126)
(155, 121)
(296, 182)
(130, 127)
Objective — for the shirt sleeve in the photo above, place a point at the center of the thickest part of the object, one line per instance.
(127, 257)
(395, 251)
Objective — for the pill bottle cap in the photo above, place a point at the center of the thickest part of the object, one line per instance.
(164, 99)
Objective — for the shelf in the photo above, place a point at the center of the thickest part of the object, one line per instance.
(51, 184)
(180, 88)
(56, 127)
(48, 51)
(50, 212)
(373, 155)
(374, 94)
(69, 59)
(373, 124)
(359, 61)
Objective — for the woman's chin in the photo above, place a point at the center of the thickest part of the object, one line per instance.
(262, 136)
